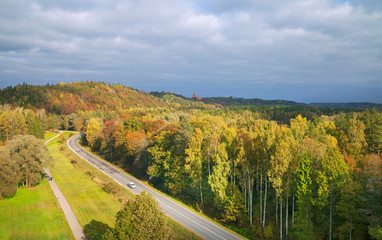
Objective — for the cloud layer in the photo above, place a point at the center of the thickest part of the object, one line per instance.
(303, 50)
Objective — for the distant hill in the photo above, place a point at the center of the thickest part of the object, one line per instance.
(177, 100)
(230, 101)
(348, 105)
(66, 98)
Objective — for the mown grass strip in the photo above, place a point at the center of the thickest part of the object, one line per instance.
(49, 135)
(33, 213)
(86, 198)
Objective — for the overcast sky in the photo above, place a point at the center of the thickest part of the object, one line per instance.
(301, 50)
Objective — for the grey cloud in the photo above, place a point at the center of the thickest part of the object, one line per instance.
(250, 48)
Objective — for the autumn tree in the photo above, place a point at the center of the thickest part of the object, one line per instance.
(279, 165)
(78, 124)
(93, 133)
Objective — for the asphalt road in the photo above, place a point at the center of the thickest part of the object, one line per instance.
(199, 225)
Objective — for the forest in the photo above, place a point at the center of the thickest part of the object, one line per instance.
(267, 172)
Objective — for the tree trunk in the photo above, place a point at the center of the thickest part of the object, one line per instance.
(245, 193)
(277, 205)
(293, 209)
(281, 219)
(234, 177)
(251, 203)
(257, 180)
(209, 167)
(331, 216)
(249, 199)
(201, 188)
(286, 218)
(265, 199)
(351, 223)
(231, 171)
(261, 195)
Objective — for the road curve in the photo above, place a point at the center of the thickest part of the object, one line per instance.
(199, 225)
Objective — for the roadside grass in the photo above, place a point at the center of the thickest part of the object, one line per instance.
(49, 135)
(33, 213)
(108, 191)
(86, 198)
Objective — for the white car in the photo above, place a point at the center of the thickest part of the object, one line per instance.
(131, 185)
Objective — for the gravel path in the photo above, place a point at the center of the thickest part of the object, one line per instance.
(69, 215)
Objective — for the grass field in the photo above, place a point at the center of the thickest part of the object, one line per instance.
(33, 214)
(91, 194)
(49, 135)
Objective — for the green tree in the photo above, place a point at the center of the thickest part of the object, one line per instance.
(30, 155)
(234, 209)
(373, 130)
(8, 175)
(132, 123)
(141, 218)
(183, 136)
(34, 125)
(376, 232)
(332, 175)
(194, 162)
(218, 180)
(347, 208)
(303, 227)
(160, 155)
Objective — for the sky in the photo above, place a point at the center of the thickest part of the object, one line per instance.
(300, 50)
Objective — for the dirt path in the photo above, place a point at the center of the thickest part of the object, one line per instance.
(69, 215)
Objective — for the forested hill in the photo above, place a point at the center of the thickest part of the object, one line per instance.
(232, 101)
(229, 101)
(348, 105)
(66, 98)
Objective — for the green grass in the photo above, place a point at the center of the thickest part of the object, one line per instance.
(49, 135)
(33, 213)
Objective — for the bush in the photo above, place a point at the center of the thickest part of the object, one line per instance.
(107, 188)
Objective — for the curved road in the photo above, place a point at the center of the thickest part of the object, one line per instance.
(199, 225)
